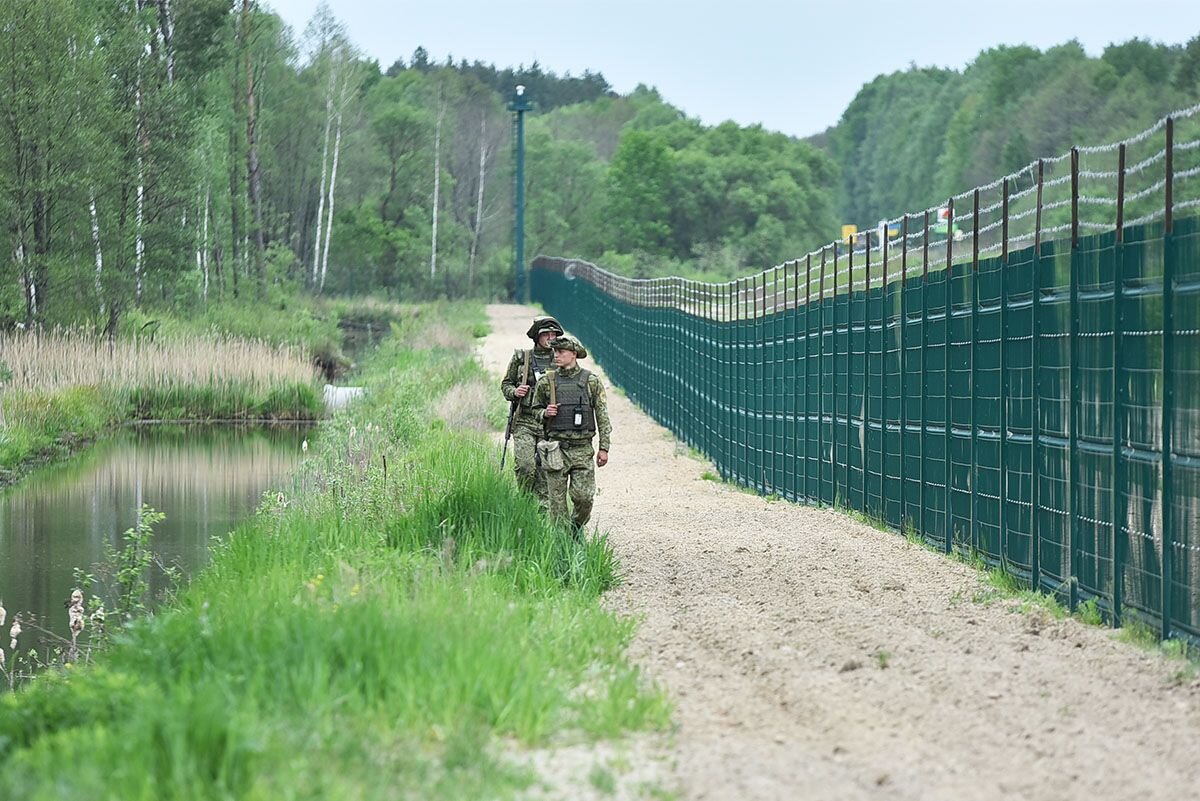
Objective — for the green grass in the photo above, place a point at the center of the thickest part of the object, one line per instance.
(44, 425)
(390, 632)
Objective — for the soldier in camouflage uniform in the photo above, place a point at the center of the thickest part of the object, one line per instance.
(578, 413)
(524, 369)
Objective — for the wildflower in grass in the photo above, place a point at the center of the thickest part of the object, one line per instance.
(14, 633)
(1, 658)
(3, 614)
(304, 446)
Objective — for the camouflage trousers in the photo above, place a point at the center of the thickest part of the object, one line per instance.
(577, 479)
(530, 477)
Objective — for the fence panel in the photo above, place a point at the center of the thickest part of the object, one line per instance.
(1027, 389)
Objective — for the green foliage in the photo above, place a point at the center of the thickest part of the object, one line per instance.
(131, 565)
(639, 190)
(1136, 632)
(1089, 612)
(910, 139)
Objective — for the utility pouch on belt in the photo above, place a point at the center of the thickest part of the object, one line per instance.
(550, 450)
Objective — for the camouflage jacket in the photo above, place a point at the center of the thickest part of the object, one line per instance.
(541, 399)
(512, 379)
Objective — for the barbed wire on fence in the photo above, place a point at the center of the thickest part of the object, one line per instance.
(1089, 188)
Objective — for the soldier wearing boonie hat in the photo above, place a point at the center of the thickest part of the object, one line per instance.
(524, 369)
(573, 408)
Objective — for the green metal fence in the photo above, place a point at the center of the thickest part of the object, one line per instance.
(1022, 389)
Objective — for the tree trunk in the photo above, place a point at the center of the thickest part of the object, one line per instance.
(324, 176)
(204, 240)
(235, 190)
(252, 173)
(99, 252)
(139, 245)
(27, 284)
(337, 149)
(166, 33)
(437, 185)
(477, 225)
(39, 270)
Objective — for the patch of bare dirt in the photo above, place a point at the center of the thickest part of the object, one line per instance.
(812, 657)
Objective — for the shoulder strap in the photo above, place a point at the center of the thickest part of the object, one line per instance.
(553, 386)
(525, 366)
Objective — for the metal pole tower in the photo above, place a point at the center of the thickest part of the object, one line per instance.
(519, 105)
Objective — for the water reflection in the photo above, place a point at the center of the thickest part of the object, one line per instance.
(205, 479)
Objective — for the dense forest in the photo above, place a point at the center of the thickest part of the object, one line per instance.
(911, 139)
(186, 152)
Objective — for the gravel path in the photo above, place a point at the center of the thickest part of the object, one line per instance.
(812, 657)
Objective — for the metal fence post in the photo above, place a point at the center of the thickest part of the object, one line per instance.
(820, 388)
(833, 440)
(1075, 390)
(883, 372)
(924, 503)
(974, 474)
(1002, 512)
(850, 379)
(1116, 545)
(948, 275)
(865, 435)
(903, 368)
(798, 463)
(807, 362)
(1168, 404)
(1035, 424)
(755, 358)
(849, 362)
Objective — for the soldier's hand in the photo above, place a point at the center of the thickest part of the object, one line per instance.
(601, 458)
(551, 410)
(522, 391)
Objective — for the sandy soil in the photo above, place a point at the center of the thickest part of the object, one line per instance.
(812, 657)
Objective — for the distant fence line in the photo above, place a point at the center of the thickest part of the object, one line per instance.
(1038, 403)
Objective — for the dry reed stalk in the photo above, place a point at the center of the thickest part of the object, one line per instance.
(63, 358)
(75, 621)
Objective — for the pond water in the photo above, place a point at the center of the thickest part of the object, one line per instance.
(204, 478)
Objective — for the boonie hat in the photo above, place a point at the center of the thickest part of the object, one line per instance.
(568, 342)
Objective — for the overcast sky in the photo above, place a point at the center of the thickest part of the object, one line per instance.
(792, 66)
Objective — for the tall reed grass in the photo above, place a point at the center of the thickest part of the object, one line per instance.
(67, 386)
(395, 624)
(50, 361)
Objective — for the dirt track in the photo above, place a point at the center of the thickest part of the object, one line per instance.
(812, 657)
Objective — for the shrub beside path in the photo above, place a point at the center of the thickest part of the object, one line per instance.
(813, 657)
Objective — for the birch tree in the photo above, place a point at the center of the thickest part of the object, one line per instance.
(253, 176)
(437, 184)
(334, 59)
